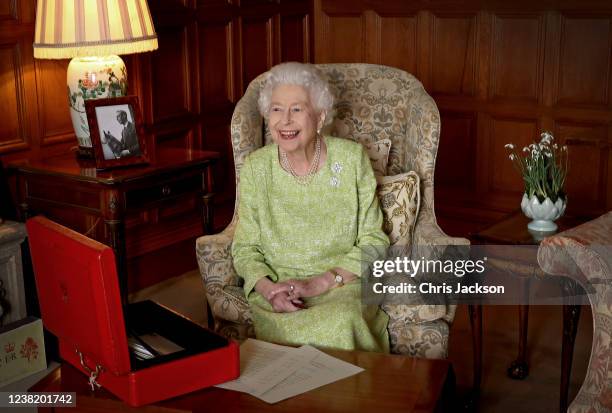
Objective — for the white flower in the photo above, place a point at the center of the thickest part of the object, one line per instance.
(525, 149)
(509, 146)
(564, 148)
(555, 146)
(548, 154)
(511, 156)
(546, 137)
(336, 167)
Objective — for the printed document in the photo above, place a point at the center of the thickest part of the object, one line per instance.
(273, 373)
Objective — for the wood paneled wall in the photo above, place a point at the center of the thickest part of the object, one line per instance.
(499, 72)
(209, 50)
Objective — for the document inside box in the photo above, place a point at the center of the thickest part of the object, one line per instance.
(148, 346)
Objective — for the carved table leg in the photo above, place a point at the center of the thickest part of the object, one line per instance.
(207, 200)
(207, 213)
(115, 238)
(571, 316)
(519, 368)
(475, 313)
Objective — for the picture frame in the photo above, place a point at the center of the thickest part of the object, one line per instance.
(117, 135)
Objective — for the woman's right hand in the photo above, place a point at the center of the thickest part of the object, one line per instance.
(269, 289)
(282, 303)
(277, 294)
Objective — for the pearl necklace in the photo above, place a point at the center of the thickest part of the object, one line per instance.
(302, 179)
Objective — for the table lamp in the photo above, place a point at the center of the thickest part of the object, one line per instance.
(93, 33)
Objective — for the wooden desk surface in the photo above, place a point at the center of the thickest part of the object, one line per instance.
(513, 230)
(390, 383)
(67, 165)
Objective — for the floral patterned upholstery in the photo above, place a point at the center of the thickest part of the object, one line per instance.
(583, 253)
(372, 103)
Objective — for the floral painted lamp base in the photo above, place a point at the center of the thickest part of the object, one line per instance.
(543, 214)
(92, 78)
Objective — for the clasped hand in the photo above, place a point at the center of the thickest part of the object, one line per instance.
(287, 296)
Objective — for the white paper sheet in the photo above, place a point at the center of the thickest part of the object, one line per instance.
(274, 373)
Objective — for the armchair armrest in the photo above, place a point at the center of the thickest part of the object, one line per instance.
(428, 235)
(223, 286)
(581, 253)
(584, 254)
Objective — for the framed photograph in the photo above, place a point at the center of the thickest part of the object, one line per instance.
(115, 127)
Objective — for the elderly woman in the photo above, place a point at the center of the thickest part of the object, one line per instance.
(309, 223)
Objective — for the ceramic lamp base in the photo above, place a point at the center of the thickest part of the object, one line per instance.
(92, 78)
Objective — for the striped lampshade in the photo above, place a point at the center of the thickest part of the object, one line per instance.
(74, 28)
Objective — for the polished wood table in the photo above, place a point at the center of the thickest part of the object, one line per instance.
(390, 383)
(512, 230)
(140, 211)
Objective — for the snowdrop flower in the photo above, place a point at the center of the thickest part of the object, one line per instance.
(509, 146)
(525, 149)
(511, 156)
(546, 137)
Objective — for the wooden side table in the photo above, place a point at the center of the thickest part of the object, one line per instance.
(136, 210)
(512, 230)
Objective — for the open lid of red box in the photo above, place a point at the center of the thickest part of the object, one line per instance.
(78, 292)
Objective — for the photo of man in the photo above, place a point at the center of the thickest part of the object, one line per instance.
(117, 132)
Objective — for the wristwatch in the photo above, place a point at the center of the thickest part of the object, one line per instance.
(338, 279)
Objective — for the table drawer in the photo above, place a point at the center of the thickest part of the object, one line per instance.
(143, 197)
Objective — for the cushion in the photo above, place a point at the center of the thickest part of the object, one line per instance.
(400, 201)
(378, 152)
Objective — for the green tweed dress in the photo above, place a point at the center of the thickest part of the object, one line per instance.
(287, 230)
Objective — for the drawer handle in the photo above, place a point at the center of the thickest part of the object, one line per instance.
(166, 190)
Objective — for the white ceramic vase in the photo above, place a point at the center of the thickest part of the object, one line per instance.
(543, 214)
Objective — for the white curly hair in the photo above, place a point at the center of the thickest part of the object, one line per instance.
(301, 74)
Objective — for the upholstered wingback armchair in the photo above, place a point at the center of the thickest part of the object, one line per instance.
(584, 253)
(372, 103)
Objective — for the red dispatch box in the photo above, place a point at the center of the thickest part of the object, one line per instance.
(150, 355)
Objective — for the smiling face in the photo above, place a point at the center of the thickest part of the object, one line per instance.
(292, 120)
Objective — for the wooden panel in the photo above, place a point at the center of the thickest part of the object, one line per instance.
(517, 57)
(11, 97)
(502, 175)
(217, 138)
(584, 66)
(345, 41)
(55, 121)
(399, 35)
(170, 75)
(456, 151)
(588, 155)
(216, 65)
(256, 48)
(453, 57)
(294, 41)
(7, 9)
(182, 139)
